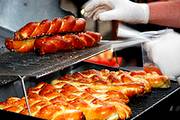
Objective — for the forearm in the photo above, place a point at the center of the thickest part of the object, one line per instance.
(165, 13)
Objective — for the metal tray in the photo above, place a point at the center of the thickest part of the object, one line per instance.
(14, 116)
(158, 101)
(30, 64)
(140, 105)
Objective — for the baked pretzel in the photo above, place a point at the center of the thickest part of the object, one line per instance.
(91, 94)
(47, 27)
(55, 43)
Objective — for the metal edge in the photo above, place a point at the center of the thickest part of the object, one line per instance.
(39, 74)
(155, 104)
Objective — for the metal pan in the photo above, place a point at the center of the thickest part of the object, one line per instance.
(32, 65)
(14, 64)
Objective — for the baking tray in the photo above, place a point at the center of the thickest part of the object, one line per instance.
(30, 64)
(14, 116)
(147, 104)
(142, 106)
(158, 101)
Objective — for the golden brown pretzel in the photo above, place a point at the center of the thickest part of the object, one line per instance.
(55, 43)
(22, 46)
(66, 42)
(47, 27)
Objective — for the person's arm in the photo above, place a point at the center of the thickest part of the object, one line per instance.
(165, 13)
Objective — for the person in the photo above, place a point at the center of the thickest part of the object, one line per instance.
(164, 52)
(166, 13)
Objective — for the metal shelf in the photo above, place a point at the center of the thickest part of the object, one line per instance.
(32, 65)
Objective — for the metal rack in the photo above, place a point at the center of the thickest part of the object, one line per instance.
(14, 64)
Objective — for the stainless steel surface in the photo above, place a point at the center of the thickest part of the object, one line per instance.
(148, 102)
(14, 64)
(125, 43)
(16, 13)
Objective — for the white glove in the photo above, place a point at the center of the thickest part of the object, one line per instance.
(165, 53)
(123, 10)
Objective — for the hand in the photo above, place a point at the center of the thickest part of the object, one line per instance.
(123, 10)
(164, 52)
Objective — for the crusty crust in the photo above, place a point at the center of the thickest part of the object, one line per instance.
(50, 36)
(55, 43)
(47, 27)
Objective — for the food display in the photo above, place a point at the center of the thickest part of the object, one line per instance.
(90, 94)
(59, 34)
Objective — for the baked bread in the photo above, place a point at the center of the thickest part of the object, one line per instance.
(90, 94)
(60, 34)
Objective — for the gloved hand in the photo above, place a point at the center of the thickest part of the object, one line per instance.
(123, 10)
(165, 53)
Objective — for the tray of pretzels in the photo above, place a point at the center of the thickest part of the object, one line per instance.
(51, 36)
(40, 48)
(93, 92)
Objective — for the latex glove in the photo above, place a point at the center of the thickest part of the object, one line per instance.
(123, 10)
(165, 53)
